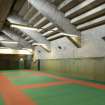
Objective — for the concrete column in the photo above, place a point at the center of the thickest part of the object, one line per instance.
(33, 57)
(54, 15)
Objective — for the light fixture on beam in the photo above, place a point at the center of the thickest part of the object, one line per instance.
(37, 29)
(70, 35)
(38, 44)
(3, 47)
(24, 27)
(9, 42)
(30, 50)
(74, 38)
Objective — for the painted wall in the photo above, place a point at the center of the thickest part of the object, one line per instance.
(92, 46)
(83, 68)
(87, 62)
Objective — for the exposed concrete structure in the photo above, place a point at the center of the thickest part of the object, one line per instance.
(93, 46)
(92, 23)
(83, 7)
(4, 37)
(5, 6)
(53, 21)
(51, 12)
(33, 34)
(55, 16)
(16, 37)
(100, 10)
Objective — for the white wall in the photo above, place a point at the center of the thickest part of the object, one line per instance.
(92, 46)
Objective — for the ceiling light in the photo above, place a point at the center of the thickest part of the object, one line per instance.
(9, 42)
(38, 44)
(3, 47)
(24, 27)
(38, 29)
(65, 34)
(30, 50)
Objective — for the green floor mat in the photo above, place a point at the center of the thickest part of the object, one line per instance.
(1, 101)
(67, 75)
(67, 95)
(9, 71)
(17, 73)
(32, 80)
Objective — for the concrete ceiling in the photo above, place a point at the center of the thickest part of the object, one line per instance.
(81, 14)
(5, 7)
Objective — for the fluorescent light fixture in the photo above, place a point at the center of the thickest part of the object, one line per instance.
(26, 38)
(38, 44)
(13, 51)
(30, 41)
(8, 42)
(1, 38)
(24, 27)
(28, 49)
(3, 47)
(38, 30)
(65, 34)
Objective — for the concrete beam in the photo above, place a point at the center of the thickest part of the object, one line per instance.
(30, 41)
(51, 12)
(5, 37)
(13, 18)
(85, 6)
(54, 15)
(35, 18)
(74, 40)
(55, 36)
(23, 35)
(92, 14)
(92, 23)
(64, 4)
(55, 2)
(48, 33)
(68, 4)
(51, 34)
(30, 13)
(24, 9)
(47, 27)
(12, 35)
(41, 22)
(45, 21)
(18, 5)
(9, 45)
(5, 6)
(79, 9)
(27, 38)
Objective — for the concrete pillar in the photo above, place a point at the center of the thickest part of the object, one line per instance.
(33, 58)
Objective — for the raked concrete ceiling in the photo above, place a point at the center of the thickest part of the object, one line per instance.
(52, 17)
